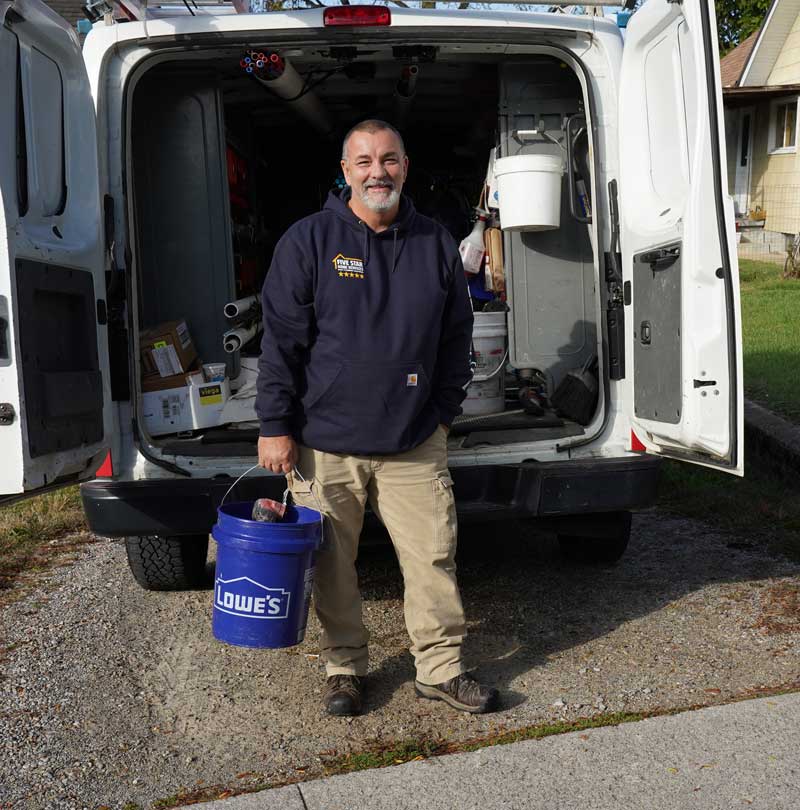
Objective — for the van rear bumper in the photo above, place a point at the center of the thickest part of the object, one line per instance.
(493, 492)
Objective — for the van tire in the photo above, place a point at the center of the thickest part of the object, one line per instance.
(167, 563)
(602, 542)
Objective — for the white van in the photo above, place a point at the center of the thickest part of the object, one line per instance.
(119, 212)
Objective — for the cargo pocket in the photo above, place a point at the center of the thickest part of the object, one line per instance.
(301, 490)
(444, 512)
(303, 493)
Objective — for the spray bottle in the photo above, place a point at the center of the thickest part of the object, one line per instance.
(471, 247)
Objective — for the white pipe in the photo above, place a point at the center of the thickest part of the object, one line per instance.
(289, 86)
(234, 339)
(404, 93)
(240, 307)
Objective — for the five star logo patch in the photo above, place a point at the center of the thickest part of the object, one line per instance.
(347, 267)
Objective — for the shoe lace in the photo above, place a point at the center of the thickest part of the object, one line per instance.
(467, 688)
(344, 683)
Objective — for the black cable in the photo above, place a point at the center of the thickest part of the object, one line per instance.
(308, 86)
(185, 3)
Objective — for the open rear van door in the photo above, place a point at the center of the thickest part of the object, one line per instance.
(677, 239)
(54, 389)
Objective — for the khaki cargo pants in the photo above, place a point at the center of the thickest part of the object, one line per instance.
(412, 494)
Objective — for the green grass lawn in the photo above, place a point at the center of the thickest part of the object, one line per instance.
(763, 508)
(27, 530)
(771, 337)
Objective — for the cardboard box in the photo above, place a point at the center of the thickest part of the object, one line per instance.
(154, 382)
(191, 404)
(167, 349)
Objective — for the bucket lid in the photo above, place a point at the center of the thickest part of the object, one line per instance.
(528, 163)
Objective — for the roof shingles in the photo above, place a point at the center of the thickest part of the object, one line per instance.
(732, 65)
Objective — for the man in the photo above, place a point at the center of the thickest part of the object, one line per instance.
(365, 355)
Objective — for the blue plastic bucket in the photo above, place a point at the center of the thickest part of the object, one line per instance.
(264, 575)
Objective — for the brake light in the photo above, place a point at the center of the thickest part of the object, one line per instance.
(636, 444)
(357, 15)
(106, 468)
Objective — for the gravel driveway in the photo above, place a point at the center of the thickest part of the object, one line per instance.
(111, 695)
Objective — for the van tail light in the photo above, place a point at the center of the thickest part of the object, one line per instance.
(106, 468)
(636, 445)
(357, 15)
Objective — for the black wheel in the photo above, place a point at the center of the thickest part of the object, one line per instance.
(167, 563)
(598, 539)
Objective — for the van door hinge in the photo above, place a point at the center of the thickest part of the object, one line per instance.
(6, 413)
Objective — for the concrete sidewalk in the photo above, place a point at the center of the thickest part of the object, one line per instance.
(742, 755)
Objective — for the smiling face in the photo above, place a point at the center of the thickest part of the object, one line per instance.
(375, 167)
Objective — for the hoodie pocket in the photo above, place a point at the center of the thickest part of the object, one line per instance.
(366, 396)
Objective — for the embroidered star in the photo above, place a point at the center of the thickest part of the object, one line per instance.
(340, 274)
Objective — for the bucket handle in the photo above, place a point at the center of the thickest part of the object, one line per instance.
(295, 471)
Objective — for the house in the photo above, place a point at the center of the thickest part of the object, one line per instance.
(70, 10)
(760, 90)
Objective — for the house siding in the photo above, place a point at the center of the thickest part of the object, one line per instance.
(787, 65)
(775, 180)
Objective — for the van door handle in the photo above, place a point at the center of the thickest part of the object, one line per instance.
(662, 258)
(573, 193)
(645, 333)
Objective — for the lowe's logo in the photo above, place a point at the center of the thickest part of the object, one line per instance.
(246, 597)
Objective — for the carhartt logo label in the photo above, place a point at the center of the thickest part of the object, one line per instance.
(246, 597)
(411, 379)
(347, 267)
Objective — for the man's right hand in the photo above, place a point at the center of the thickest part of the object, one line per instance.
(277, 453)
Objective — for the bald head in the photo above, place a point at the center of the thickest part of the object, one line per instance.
(372, 125)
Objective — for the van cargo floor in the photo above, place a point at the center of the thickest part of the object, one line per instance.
(509, 420)
(466, 431)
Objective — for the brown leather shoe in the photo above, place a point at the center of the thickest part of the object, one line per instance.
(463, 693)
(343, 694)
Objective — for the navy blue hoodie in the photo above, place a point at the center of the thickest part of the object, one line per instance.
(366, 335)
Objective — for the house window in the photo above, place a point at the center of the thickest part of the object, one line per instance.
(783, 134)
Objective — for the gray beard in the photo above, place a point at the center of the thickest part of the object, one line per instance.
(380, 205)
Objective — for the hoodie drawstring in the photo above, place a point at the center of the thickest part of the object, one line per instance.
(366, 242)
(394, 250)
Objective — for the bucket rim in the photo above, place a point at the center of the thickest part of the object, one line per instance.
(513, 164)
(310, 516)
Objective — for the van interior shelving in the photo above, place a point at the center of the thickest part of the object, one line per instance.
(222, 166)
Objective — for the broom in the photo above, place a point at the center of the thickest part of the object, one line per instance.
(575, 397)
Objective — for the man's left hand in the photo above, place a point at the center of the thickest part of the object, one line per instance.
(446, 429)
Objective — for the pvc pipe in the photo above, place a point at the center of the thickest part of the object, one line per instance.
(234, 339)
(288, 86)
(241, 307)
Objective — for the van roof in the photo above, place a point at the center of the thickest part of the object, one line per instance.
(168, 21)
(133, 10)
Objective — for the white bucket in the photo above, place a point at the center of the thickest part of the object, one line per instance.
(530, 192)
(489, 342)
